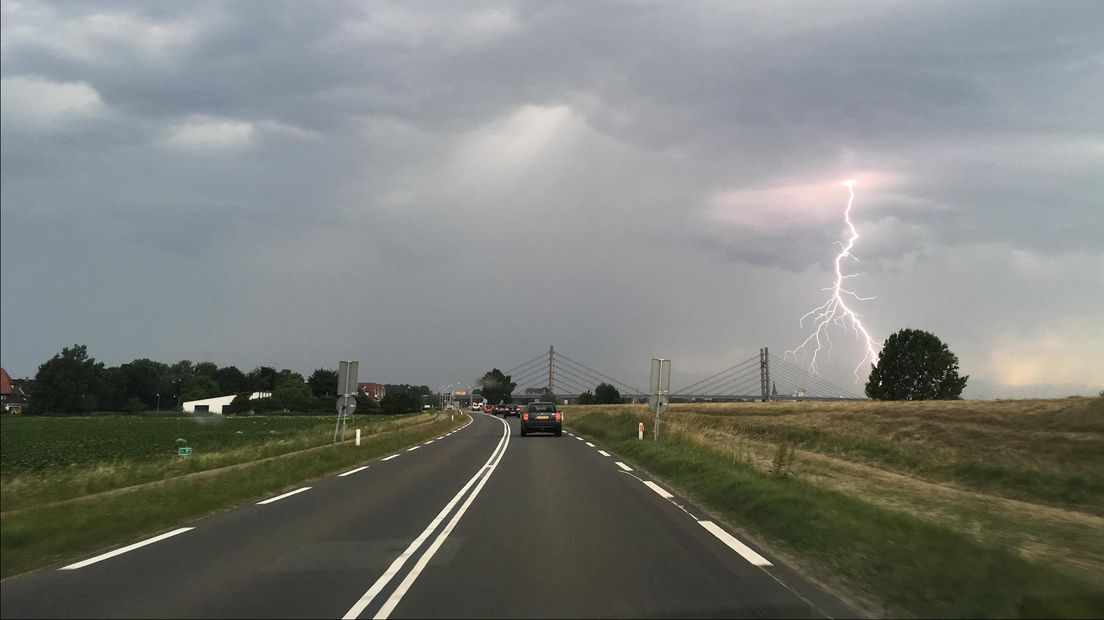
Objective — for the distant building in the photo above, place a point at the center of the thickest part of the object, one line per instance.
(14, 393)
(375, 391)
(216, 404)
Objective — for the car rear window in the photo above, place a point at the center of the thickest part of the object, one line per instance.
(542, 408)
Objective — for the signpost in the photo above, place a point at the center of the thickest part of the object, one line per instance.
(346, 395)
(659, 389)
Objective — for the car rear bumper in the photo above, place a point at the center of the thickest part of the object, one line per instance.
(539, 426)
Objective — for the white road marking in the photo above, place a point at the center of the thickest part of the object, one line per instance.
(662, 492)
(396, 597)
(590, 444)
(624, 466)
(285, 495)
(388, 458)
(603, 453)
(352, 471)
(745, 551)
(429, 442)
(397, 565)
(579, 438)
(413, 449)
(111, 554)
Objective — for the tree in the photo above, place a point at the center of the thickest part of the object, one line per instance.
(231, 380)
(293, 394)
(66, 383)
(606, 394)
(262, 379)
(142, 380)
(323, 382)
(586, 398)
(199, 387)
(915, 365)
(497, 387)
(401, 399)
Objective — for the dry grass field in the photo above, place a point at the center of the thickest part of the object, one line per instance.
(1025, 476)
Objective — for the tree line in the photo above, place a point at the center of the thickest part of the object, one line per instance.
(73, 383)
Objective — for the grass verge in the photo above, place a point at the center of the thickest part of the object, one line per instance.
(39, 537)
(20, 490)
(910, 567)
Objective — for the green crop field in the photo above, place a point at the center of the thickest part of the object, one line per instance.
(36, 444)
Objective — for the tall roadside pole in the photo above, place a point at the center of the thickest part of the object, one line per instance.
(659, 389)
(346, 395)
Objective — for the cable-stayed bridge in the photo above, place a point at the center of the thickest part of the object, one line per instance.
(762, 377)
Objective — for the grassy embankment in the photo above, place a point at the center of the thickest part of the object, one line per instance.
(113, 501)
(942, 509)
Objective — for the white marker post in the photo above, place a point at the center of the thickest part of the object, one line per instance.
(358, 437)
(640, 431)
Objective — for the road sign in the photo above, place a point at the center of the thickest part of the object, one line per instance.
(347, 377)
(184, 451)
(346, 404)
(659, 402)
(661, 376)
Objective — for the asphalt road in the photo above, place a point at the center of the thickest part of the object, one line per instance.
(479, 523)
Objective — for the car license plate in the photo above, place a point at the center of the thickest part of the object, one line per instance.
(542, 417)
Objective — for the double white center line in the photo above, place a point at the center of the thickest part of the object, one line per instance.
(477, 481)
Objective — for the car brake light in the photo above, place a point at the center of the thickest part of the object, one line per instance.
(525, 417)
(559, 416)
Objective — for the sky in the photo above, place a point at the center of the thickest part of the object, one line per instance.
(438, 188)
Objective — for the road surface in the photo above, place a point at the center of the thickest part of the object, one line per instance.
(477, 523)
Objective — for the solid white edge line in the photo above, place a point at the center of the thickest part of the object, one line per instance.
(352, 471)
(366, 599)
(111, 554)
(388, 458)
(280, 497)
(662, 492)
(745, 551)
(412, 576)
(603, 453)
(590, 444)
(624, 466)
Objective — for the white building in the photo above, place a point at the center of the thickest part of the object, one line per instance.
(215, 405)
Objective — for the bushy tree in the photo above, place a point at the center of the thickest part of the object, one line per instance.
(66, 383)
(497, 387)
(606, 394)
(231, 380)
(293, 395)
(586, 398)
(199, 387)
(401, 399)
(323, 382)
(915, 365)
(262, 379)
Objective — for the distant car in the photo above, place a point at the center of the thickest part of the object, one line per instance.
(500, 409)
(541, 418)
(477, 407)
(512, 410)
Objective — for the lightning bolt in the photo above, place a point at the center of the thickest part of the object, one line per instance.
(836, 310)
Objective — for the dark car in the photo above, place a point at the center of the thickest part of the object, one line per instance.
(512, 410)
(500, 409)
(541, 418)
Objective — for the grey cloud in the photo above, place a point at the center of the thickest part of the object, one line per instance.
(352, 204)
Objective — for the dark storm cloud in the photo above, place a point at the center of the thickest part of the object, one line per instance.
(245, 177)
